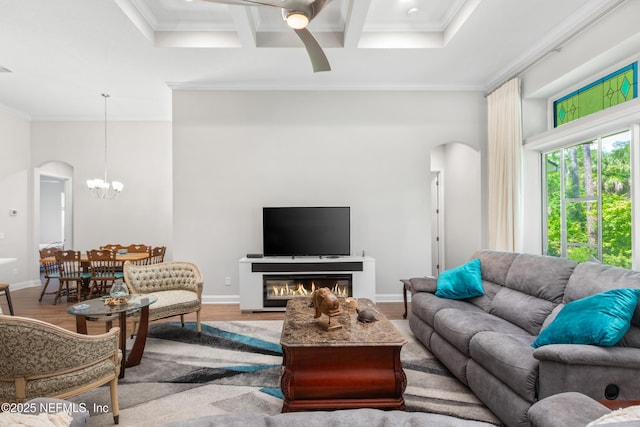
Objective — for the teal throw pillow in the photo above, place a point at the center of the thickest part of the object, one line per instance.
(461, 282)
(601, 319)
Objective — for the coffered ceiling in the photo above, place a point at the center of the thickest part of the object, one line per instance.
(59, 56)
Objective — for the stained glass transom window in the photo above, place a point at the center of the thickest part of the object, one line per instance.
(613, 89)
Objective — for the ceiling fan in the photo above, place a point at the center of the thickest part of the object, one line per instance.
(297, 14)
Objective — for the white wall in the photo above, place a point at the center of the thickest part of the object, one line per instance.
(139, 156)
(235, 152)
(14, 194)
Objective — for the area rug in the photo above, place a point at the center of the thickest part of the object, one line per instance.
(234, 367)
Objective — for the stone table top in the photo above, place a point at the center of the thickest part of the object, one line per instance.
(300, 327)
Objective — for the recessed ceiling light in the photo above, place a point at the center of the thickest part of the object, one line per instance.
(413, 11)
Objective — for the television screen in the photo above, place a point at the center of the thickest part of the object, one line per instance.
(306, 231)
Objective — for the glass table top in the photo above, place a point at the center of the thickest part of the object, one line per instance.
(97, 307)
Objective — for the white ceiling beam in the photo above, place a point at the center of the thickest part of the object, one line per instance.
(245, 24)
(212, 39)
(290, 39)
(354, 23)
(459, 19)
(137, 18)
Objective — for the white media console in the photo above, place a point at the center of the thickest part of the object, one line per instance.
(252, 270)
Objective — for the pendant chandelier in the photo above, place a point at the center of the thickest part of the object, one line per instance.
(102, 188)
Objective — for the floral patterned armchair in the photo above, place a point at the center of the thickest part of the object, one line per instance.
(39, 359)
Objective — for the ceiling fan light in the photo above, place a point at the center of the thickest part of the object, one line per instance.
(297, 20)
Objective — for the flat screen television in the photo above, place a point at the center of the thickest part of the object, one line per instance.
(306, 231)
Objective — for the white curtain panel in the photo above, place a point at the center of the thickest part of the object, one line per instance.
(504, 163)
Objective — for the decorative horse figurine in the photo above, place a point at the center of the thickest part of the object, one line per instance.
(325, 302)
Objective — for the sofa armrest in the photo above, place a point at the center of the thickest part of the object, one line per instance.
(422, 284)
(578, 354)
(598, 372)
(565, 410)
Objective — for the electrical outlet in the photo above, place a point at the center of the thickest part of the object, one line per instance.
(227, 281)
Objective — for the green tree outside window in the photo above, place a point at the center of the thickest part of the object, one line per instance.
(588, 201)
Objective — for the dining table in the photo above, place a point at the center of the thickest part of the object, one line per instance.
(121, 258)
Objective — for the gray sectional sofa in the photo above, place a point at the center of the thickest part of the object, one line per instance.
(485, 341)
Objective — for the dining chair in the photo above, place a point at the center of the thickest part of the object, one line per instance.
(115, 247)
(4, 289)
(70, 271)
(137, 249)
(156, 255)
(49, 270)
(103, 269)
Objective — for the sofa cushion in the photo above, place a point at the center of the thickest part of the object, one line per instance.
(570, 409)
(490, 291)
(462, 282)
(522, 309)
(495, 265)
(509, 357)
(591, 278)
(600, 319)
(425, 306)
(171, 303)
(540, 276)
(459, 326)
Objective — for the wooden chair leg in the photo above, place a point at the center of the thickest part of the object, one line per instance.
(115, 408)
(198, 327)
(44, 289)
(59, 291)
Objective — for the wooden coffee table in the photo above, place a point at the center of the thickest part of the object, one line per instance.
(357, 366)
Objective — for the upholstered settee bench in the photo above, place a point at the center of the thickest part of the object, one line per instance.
(176, 284)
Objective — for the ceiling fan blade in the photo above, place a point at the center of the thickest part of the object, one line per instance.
(319, 61)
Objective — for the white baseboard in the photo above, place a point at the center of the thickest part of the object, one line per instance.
(24, 285)
(221, 299)
(391, 297)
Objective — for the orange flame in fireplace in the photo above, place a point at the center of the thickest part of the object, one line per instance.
(286, 291)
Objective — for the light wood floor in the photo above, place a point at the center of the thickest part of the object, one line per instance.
(25, 303)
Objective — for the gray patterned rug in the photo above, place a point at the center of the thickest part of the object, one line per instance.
(234, 367)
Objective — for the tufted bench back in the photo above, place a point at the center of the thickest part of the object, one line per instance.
(173, 275)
